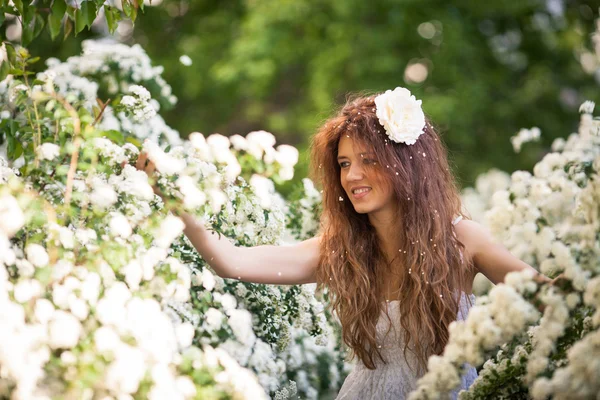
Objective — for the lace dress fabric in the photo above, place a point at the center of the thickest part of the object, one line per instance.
(395, 380)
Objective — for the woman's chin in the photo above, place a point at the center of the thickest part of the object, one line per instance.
(362, 208)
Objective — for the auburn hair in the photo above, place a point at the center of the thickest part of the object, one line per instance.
(429, 262)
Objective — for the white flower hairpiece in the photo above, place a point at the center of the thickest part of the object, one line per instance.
(401, 115)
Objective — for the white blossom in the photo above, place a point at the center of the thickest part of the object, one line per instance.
(170, 228)
(119, 225)
(524, 136)
(64, 330)
(37, 255)
(185, 60)
(48, 151)
(11, 215)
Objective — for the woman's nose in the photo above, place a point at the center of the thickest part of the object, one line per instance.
(355, 172)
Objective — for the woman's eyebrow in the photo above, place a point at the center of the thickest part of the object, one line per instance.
(361, 154)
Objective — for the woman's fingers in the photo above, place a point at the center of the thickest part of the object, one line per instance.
(150, 168)
(146, 165)
(141, 161)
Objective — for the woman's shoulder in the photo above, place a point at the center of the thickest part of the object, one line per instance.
(472, 234)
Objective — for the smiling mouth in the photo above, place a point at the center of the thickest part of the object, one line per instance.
(360, 193)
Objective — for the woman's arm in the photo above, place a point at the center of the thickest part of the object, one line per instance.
(282, 265)
(490, 258)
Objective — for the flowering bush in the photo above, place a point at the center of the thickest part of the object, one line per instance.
(101, 294)
(551, 220)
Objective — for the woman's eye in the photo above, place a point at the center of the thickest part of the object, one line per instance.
(369, 161)
(343, 164)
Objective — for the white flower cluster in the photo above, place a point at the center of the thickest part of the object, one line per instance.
(535, 219)
(587, 107)
(303, 213)
(524, 136)
(301, 358)
(579, 379)
(477, 200)
(131, 62)
(139, 104)
(550, 219)
(552, 326)
(118, 67)
(489, 380)
(106, 282)
(246, 217)
(494, 320)
(46, 309)
(5, 171)
(243, 381)
(257, 148)
(48, 151)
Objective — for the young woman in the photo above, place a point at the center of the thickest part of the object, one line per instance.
(394, 251)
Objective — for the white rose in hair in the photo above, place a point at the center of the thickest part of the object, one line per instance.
(401, 115)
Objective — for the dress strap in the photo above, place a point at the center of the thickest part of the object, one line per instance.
(457, 219)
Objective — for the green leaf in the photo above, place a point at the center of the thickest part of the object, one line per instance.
(38, 27)
(26, 35)
(14, 148)
(10, 53)
(4, 68)
(68, 28)
(129, 9)
(19, 5)
(85, 15)
(71, 12)
(59, 7)
(115, 136)
(33, 60)
(28, 13)
(32, 28)
(113, 16)
(134, 141)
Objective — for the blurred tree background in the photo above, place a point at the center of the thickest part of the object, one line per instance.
(484, 69)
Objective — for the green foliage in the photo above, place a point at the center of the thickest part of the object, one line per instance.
(284, 66)
(35, 16)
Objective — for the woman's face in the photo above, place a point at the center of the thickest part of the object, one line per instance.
(368, 192)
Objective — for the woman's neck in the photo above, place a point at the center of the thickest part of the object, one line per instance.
(388, 243)
(385, 224)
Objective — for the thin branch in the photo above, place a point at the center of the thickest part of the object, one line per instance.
(101, 112)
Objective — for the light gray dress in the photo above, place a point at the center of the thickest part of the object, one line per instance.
(395, 380)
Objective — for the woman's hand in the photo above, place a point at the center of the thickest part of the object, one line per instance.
(143, 163)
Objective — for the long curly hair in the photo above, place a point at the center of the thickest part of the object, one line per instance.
(429, 262)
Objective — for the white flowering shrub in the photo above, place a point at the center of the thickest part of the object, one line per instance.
(101, 294)
(537, 340)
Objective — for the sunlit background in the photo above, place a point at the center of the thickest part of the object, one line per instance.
(483, 69)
